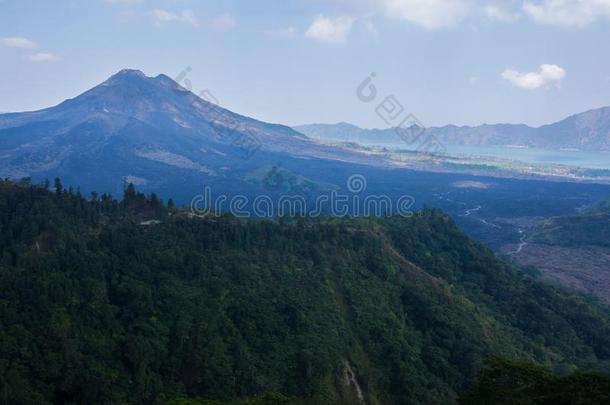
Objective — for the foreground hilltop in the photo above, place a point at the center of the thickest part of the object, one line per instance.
(129, 302)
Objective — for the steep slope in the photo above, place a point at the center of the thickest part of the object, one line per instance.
(150, 131)
(589, 130)
(100, 304)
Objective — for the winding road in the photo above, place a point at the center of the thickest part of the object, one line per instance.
(522, 243)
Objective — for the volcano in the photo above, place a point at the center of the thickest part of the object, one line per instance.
(149, 131)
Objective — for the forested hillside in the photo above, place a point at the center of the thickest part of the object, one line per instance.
(505, 382)
(591, 227)
(135, 301)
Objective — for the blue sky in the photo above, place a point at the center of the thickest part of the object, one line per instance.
(300, 61)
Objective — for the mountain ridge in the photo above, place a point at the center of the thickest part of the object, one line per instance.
(147, 128)
(588, 130)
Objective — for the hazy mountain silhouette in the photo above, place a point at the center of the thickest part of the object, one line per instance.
(589, 130)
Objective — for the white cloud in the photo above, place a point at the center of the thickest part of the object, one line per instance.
(437, 14)
(500, 13)
(428, 13)
(330, 30)
(567, 13)
(162, 17)
(548, 74)
(18, 42)
(223, 22)
(42, 57)
(283, 33)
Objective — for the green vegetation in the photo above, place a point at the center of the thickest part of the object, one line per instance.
(271, 398)
(281, 179)
(104, 301)
(504, 382)
(590, 228)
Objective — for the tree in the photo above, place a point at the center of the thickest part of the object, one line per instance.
(58, 186)
(155, 203)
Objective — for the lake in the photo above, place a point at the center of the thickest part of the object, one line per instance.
(585, 159)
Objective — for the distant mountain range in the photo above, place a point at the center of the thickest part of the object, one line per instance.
(585, 131)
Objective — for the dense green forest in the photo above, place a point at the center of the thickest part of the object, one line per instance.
(506, 382)
(135, 301)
